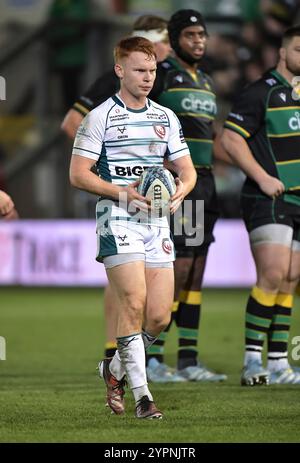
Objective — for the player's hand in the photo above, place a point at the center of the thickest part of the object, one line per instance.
(134, 197)
(178, 197)
(272, 186)
(6, 204)
(12, 215)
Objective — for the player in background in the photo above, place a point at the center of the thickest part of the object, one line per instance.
(153, 28)
(140, 274)
(150, 27)
(183, 87)
(7, 207)
(262, 136)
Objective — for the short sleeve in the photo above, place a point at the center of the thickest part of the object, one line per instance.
(177, 146)
(247, 114)
(89, 137)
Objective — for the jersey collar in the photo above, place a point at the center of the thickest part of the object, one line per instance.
(117, 99)
(178, 66)
(279, 77)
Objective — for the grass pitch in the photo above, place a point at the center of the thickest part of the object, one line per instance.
(50, 392)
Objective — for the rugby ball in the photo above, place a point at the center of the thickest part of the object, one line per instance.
(157, 183)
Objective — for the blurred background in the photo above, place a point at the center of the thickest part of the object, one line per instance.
(52, 50)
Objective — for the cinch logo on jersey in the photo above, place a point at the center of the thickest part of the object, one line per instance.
(197, 104)
(294, 122)
(127, 171)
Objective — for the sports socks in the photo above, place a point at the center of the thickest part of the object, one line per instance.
(278, 334)
(259, 315)
(148, 339)
(110, 349)
(188, 319)
(116, 367)
(130, 360)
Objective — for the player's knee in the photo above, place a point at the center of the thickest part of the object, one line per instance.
(135, 307)
(160, 322)
(272, 278)
(293, 276)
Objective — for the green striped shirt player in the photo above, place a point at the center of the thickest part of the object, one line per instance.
(192, 98)
(262, 135)
(182, 86)
(268, 116)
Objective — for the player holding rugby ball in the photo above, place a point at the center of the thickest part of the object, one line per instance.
(125, 133)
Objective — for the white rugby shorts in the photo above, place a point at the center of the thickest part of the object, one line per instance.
(122, 237)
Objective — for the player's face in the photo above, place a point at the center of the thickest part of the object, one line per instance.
(162, 50)
(293, 56)
(138, 74)
(192, 40)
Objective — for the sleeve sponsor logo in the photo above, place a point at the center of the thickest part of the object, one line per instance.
(239, 117)
(83, 131)
(87, 100)
(271, 82)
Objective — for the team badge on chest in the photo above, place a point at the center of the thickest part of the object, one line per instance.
(160, 130)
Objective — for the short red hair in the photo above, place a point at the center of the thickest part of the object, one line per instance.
(127, 46)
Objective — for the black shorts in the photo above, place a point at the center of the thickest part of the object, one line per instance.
(204, 190)
(260, 210)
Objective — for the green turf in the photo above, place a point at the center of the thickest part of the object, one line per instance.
(49, 390)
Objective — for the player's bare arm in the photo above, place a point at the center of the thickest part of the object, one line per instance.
(238, 150)
(219, 152)
(6, 203)
(71, 123)
(82, 177)
(185, 182)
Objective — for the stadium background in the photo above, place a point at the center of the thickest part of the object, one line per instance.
(54, 336)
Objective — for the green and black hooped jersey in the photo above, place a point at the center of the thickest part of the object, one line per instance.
(268, 117)
(193, 100)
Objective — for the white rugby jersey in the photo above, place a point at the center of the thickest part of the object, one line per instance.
(123, 141)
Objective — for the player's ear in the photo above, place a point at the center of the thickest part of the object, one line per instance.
(119, 70)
